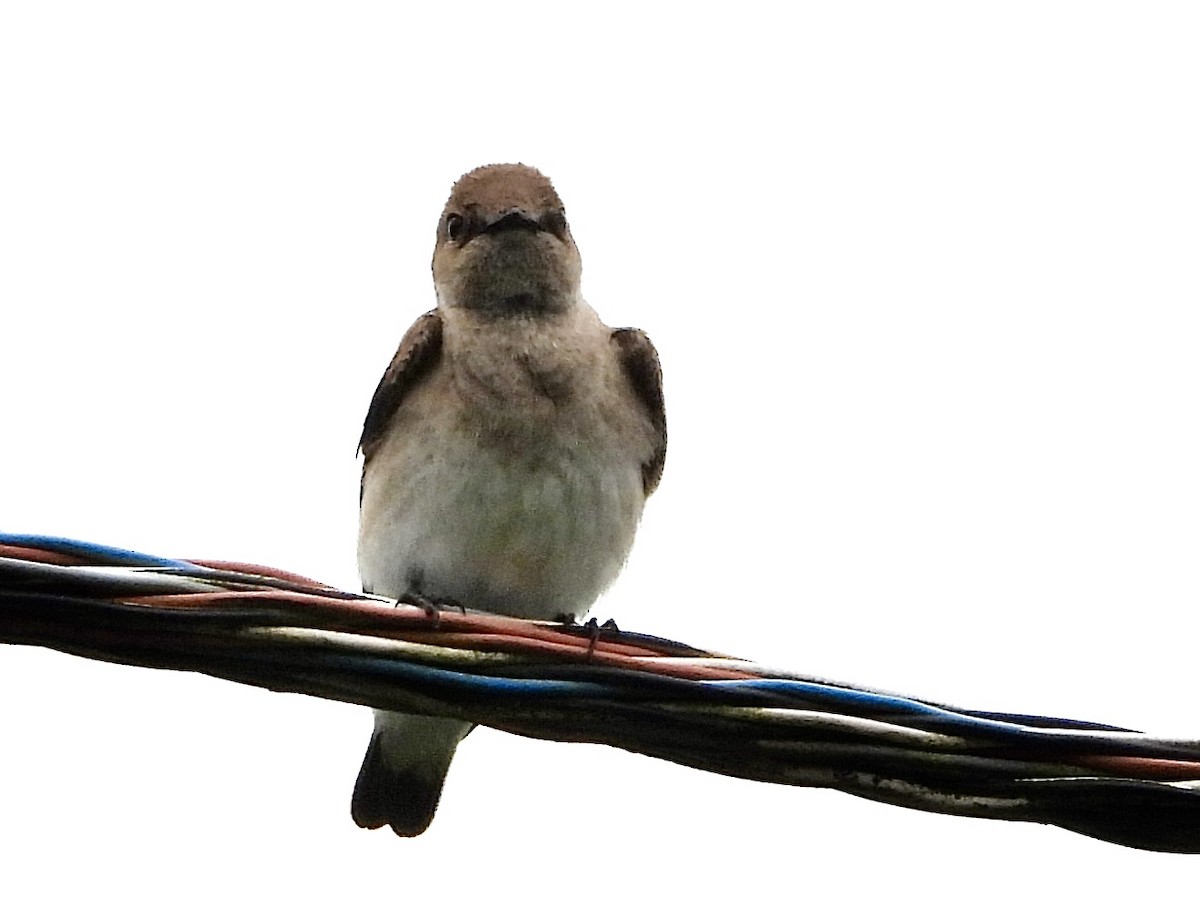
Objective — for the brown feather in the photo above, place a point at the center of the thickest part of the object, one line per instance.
(419, 349)
(640, 361)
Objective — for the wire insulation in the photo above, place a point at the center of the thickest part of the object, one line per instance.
(581, 683)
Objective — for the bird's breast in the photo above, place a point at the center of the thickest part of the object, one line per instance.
(504, 497)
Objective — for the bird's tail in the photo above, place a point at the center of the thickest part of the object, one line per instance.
(402, 774)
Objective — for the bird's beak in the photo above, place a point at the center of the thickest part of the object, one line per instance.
(513, 220)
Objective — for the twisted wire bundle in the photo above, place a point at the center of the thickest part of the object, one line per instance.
(277, 630)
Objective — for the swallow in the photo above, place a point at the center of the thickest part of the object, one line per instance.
(507, 452)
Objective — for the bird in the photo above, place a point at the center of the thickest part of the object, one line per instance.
(507, 453)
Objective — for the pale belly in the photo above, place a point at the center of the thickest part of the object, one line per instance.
(455, 521)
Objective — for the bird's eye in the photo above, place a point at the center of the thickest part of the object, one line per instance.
(555, 223)
(455, 226)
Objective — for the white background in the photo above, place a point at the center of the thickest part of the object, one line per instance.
(923, 278)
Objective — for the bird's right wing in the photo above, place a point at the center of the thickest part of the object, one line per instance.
(419, 349)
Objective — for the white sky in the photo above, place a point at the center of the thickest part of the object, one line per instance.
(923, 280)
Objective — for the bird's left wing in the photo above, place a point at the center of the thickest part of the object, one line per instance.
(640, 361)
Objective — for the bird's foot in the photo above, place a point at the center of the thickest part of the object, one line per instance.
(570, 621)
(432, 608)
(593, 631)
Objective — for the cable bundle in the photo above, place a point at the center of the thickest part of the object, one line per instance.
(280, 631)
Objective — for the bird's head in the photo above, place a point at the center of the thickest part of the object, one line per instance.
(503, 245)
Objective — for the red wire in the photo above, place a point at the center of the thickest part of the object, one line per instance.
(33, 554)
(1141, 767)
(451, 629)
(256, 569)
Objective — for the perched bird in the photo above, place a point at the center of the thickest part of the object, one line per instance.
(507, 450)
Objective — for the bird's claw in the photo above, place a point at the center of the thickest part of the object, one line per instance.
(593, 631)
(432, 608)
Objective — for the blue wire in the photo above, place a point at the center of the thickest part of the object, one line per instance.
(97, 552)
(833, 696)
(418, 672)
(530, 687)
(872, 701)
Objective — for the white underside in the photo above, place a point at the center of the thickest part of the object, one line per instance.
(460, 522)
